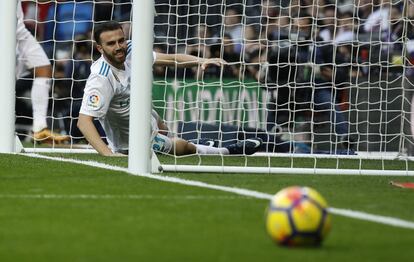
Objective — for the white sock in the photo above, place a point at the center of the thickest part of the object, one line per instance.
(209, 150)
(40, 100)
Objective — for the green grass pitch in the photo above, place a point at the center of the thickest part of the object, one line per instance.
(55, 211)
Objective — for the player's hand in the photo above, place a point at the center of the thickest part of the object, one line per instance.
(212, 61)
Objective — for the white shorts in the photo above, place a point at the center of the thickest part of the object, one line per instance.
(29, 54)
(159, 142)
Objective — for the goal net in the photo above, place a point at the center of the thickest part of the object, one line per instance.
(316, 80)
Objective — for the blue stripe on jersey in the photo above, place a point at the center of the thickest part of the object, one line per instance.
(102, 67)
(107, 70)
(129, 47)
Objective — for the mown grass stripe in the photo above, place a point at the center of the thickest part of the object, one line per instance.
(391, 221)
(112, 197)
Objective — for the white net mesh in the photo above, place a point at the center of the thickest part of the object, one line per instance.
(333, 74)
(310, 76)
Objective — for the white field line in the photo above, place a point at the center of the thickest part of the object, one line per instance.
(391, 221)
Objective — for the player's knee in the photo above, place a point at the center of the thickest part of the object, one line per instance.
(183, 147)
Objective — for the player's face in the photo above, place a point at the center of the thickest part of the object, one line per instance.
(113, 46)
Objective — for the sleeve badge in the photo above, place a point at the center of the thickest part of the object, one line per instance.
(94, 101)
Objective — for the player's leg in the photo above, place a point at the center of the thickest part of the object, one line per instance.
(31, 54)
(179, 147)
(242, 147)
(40, 96)
(175, 146)
(184, 147)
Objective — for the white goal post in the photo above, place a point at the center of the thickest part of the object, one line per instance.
(7, 76)
(141, 79)
(314, 79)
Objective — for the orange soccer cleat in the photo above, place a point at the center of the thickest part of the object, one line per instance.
(47, 136)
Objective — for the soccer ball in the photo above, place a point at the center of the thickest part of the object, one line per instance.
(298, 216)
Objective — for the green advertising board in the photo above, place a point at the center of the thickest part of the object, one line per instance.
(212, 101)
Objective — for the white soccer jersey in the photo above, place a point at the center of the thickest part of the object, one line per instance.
(106, 97)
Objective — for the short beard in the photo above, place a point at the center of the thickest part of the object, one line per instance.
(112, 60)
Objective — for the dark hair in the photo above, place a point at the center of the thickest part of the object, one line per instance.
(104, 27)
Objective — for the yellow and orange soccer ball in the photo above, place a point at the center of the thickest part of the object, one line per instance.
(298, 216)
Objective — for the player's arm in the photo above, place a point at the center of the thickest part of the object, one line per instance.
(88, 129)
(96, 99)
(183, 60)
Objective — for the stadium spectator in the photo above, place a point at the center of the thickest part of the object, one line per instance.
(294, 8)
(364, 9)
(277, 28)
(256, 64)
(378, 20)
(65, 21)
(122, 11)
(410, 43)
(314, 8)
(273, 20)
(328, 23)
(395, 34)
(200, 45)
(232, 25)
(287, 73)
(103, 10)
(225, 49)
(334, 76)
(251, 40)
(345, 28)
(78, 70)
(34, 15)
(107, 95)
(269, 10)
(31, 56)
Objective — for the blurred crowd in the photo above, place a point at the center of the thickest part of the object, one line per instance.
(302, 51)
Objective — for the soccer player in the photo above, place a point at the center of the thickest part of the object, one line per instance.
(107, 94)
(30, 55)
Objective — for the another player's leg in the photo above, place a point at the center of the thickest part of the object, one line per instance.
(30, 55)
(40, 96)
(40, 101)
